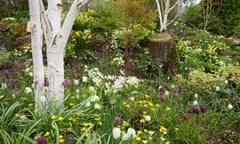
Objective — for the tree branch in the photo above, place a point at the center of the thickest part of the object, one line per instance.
(69, 21)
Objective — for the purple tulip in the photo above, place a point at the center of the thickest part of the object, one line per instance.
(203, 108)
(117, 121)
(186, 117)
(42, 140)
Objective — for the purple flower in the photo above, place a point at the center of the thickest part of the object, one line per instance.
(17, 93)
(179, 89)
(191, 109)
(162, 90)
(162, 98)
(6, 73)
(203, 108)
(185, 117)
(42, 140)
(175, 95)
(66, 83)
(196, 110)
(117, 121)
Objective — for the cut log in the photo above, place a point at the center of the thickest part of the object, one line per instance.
(162, 48)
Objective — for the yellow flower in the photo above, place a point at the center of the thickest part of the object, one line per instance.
(53, 117)
(167, 109)
(17, 115)
(97, 119)
(147, 96)
(47, 134)
(157, 105)
(61, 141)
(167, 142)
(71, 104)
(163, 129)
(138, 138)
(83, 129)
(78, 114)
(60, 136)
(30, 105)
(125, 123)
(176, 129)
(60, 118)
(100, 123)
(69, 129)
(150, 104)
(145, 130)
(142, 120)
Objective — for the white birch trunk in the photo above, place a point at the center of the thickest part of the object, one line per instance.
(34, 26)
(164, 9)
(56, 37)
(55, 55)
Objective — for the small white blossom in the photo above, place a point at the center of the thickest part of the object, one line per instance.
(30, 74)
(147, 117)
(91, 89)
(172, 86)
(195, 102)
(94, 98)
(88, 104)
(226, 81)
(23, 117)
(132, 98)
(196, 95)
(217, 88)
(145, 141)
(151, 132)
(42, 99)
(97, 106)
(131, 132)
(230, 106)
(77, 90)
(28, 90)
(125, 137)
(3, 86)
(84, 79)
(116, 133)
(166, 93)
(76, 82)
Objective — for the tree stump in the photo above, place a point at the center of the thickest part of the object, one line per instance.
(163, 49)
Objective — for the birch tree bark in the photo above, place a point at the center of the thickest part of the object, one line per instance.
(56, 37)
(34, 26)
(164, 8)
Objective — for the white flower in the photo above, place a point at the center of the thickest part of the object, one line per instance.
(147, 117)
(97, 106)
(132, 81)
(88, 104)
(23, 117)
(125, 137)
(91, 89)
(131, 132)
(42, 99)
(166, 93)
(151, 132)
(3, 86)
(226, 81)
(84, 79)
(94, 98)
(30, 74)
(172, 86)
(76, 82)
(132, 98)
(230, 106)
(196, 95)
(77, 90)
(28, 90)
(145, 141)
(195, 102)
(217, 88)
(116, 133)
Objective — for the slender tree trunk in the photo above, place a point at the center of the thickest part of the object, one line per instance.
(34, 26)
(55, 55)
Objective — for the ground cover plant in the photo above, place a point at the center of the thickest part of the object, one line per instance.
(114, 98)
